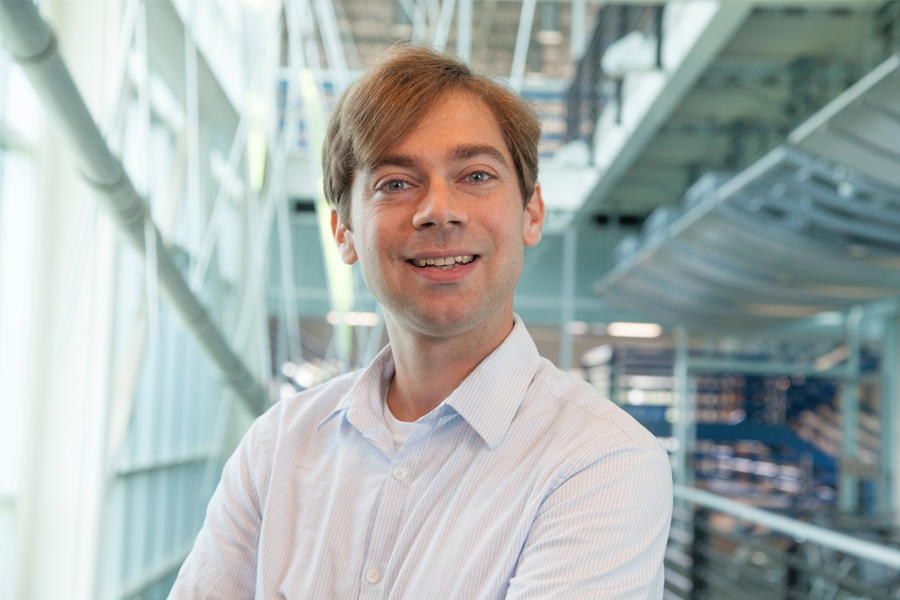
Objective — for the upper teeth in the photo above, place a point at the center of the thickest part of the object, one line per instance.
(446, 260)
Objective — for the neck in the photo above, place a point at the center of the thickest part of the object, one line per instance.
(428, 369)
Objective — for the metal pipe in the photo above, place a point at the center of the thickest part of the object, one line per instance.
(33, 45)
(798, 529)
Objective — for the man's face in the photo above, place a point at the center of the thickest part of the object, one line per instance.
(448, 193)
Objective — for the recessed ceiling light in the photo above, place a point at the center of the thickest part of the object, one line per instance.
(635, 330)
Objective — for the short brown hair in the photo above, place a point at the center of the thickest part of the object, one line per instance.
(387, 102)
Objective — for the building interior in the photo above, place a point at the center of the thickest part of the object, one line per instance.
(721, 258)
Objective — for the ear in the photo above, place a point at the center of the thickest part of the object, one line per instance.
(534, 217)
(344, 238)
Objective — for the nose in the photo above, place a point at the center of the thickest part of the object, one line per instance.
(440, 208)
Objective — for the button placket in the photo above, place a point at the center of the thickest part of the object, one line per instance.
(388, 516)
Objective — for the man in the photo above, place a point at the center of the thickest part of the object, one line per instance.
(459, 464)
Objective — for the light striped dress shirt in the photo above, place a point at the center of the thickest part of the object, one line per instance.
(523, 484)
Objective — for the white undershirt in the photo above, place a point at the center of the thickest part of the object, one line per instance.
(400, 430)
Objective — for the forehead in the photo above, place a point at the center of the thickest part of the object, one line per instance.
(452, 122)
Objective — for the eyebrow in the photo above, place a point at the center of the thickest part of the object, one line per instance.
(467, 152)
(458, 153)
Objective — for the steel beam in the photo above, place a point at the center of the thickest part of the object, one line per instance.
(33, 45)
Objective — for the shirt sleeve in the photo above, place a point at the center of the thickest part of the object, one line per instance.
(222, 564)
(602, 533)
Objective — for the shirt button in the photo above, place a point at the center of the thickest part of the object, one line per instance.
(400, 472)
(372, 576)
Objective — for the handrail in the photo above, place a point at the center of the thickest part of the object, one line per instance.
(798, 529)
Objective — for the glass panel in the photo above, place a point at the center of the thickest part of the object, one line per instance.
(17, 180)
(157, 505)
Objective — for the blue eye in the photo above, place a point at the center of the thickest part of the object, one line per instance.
(395, 185)
(478, 177)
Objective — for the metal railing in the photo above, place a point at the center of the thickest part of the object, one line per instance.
(723, 549)
(591, 89)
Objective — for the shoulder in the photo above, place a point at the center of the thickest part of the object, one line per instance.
(292, 419)
(579, 400)
(588, 427)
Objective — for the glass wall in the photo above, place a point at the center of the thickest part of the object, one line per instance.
(167, 467)
(86, 330)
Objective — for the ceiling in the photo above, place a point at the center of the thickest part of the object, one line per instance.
(781, 66)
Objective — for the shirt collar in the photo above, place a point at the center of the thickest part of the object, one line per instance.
(487, 399)
(490, 396)
(363, 400)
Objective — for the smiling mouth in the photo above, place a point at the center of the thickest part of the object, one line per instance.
(444, 263)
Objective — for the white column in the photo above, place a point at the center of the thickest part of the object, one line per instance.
(63, 464)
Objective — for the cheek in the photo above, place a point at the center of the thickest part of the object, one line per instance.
(372, 277)
(506, 224)
(373, 252)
